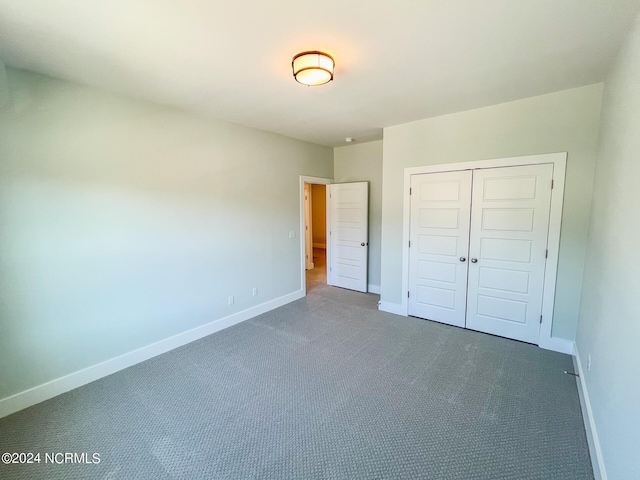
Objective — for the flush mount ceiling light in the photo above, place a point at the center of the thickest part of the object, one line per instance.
(313, 68)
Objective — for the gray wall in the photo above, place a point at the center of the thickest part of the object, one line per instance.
(564, 121)
(359, 163)
(609, 326)
(123, 223)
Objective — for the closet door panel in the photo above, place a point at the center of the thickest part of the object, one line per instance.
(508, 242)
(439, 236)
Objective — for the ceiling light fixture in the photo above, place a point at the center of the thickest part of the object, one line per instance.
(313, 68)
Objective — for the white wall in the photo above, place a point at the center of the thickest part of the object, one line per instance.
(363, 163)
(123, 223)
(609, 326)
(564, 121)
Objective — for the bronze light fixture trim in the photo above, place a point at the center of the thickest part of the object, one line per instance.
(313, 67)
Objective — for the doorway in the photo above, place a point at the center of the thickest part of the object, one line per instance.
(315, 235)
(313, 262)
(343, 260)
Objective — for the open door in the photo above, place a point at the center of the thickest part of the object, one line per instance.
(348, 241)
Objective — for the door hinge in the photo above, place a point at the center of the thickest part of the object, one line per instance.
(540, 318)
(306, 227)
(546, 254)
(408, 295)
(329, 232)
(410, 191)
(409, 243)
(551, 184)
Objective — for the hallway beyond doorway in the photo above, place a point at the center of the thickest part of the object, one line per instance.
(317, 275)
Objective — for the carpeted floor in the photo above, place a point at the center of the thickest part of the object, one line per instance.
(324, 388)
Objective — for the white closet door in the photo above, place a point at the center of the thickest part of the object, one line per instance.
(439, 235)
(509, 228)
(349, 235)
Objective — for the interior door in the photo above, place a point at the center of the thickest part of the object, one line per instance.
(508, 243)
(439, 242)
(348, 235)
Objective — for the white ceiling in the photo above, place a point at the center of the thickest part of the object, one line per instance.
(396, 61)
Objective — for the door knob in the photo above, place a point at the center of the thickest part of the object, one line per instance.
(474, 260)
(362, 244)
(462, 259)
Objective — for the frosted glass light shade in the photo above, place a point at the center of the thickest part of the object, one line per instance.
(313, 68)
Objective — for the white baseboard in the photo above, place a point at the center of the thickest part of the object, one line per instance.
(371, 288)
(557, 345)
(61, 385)
(599, 471)
(392, 308)
(320, 245)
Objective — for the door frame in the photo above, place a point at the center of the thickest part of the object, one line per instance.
(559, 161)
(303, 271)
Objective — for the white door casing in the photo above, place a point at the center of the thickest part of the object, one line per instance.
(348, 242)
(509, 230)
(439, 242)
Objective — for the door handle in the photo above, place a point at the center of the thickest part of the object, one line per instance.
(474, 260)
(362, 244)
(462, 259)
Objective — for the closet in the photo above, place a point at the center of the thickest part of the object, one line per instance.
(478, 248)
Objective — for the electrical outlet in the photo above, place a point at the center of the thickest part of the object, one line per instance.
(589, 363)
(255, 291)
(292, 234)
(231, 300)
